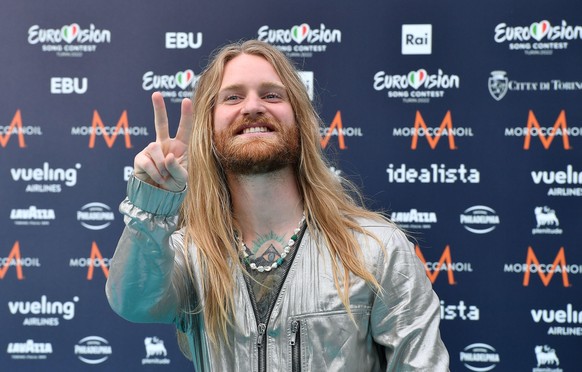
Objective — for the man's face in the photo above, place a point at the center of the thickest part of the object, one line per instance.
(254, 124)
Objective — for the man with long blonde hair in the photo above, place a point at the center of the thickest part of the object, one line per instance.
(239, 234)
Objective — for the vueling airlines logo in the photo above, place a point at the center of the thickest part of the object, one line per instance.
(16, 260)
(544, 270)
(445, 263)
(337, 128)
(545, 134)
(109, 133)
(432, 135)
(95, 260)
(18, 130)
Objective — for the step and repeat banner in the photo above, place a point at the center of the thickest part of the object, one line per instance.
(462, 120)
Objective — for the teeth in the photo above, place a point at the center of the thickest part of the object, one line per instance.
(255, 130)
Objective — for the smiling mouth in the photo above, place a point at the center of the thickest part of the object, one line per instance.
(255, 130)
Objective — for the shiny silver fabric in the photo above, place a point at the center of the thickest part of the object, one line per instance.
(396, 330)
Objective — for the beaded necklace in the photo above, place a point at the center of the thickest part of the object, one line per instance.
(260, 268)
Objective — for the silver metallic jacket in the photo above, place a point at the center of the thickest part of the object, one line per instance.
(309, 328)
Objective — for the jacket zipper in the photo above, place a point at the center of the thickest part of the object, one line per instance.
(295, 343)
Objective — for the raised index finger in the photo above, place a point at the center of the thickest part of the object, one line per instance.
(186, 121)
(160, 117)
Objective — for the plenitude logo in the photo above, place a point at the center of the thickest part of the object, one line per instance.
(538, 38)
(109, 133)
(69, 40)
(445, 263)
(417, 86)
(300, 40)
(16, 128)
(546, 135)
(336, 128)
(433, 135)
(545, 271)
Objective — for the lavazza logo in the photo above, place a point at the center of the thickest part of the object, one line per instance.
(562, 182)
(32, 216)
(29, 350)
(562, 322)
(479, 357)
(414, 219)
(69, 40)
(547, 359)
(300, 40)
(175, 86)
(43, 312)
(416, 86)
(155, 351)
(539, 38)
(479, 219)
(546, 221)
(95, 216)
(499, 84)
(46, 179)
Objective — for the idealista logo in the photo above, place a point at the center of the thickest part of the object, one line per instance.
(544, 270)
(183, 40)
(300, 40)
(459, 311)
(49, 312)
(539, 38)
(32, 216)
(417, 86)
(155, 351)
(93, 350)
(15, 259)
(499, 84)
(546, 221)
(479, 357)
(546, 135)
(49, 179)
(109, 132)
(568, 318)
(69, 40)
(414, 219)
(546, 357)
(433, 135)
(568, 177)
(445, 263)
(337, 129)
(95, 260)
(17, 129)
(176, 86)
(29, 350)
(434, 174)
(479, 219)
(95, 216)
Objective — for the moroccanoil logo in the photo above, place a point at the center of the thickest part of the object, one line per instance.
(544, 270)
(337, 129)
(445, 263)
(546, 135)
(16, 128)
(433, 135)
(109, 133)
(95, 260)
(15, 259)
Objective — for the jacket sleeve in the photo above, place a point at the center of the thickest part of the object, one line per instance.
(405, 316)
(145, 276)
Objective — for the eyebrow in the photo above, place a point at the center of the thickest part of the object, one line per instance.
(267, 85)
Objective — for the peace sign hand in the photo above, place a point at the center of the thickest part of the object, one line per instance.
(164, 163)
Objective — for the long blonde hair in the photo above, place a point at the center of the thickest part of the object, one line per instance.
(331, 204)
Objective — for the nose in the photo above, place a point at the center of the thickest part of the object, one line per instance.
(253, 105)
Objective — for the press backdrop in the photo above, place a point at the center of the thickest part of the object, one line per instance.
(462, 119)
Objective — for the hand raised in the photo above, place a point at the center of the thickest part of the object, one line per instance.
(163, 163)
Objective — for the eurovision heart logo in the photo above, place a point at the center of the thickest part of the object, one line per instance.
(299, 33)
(539, 29)
(70, 32)
(417, 78)
(184, 79)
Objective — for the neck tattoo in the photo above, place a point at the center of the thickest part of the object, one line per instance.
(260, 268)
